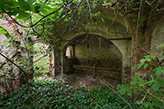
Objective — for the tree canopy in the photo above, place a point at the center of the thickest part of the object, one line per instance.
(40, 14)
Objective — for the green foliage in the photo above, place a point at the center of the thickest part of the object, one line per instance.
(52, 95)
(102, 19)
(161, 46)
(41, 67)
(150, 91)
(125, 90)
(12, 66)
(6, 73)
(96, 14)
(23, 7)
(2, 31)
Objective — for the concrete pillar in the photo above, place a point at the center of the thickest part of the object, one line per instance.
(125, 47)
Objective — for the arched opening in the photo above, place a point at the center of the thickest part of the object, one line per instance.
(41, 60)
(69, 52)
(94, 55)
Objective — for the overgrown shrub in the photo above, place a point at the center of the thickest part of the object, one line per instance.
(42, 60)
(148, 89)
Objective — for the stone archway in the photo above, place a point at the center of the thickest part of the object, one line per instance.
(42, 62)
(118, 31)
(100, 45)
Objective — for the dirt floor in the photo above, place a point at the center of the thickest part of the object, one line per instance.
(83, 80)
(89, 81)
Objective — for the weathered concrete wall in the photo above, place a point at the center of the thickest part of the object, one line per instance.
(112, 54)
(98, 51)
(97, 56)
(125, 47)
(158, 39)
(115, 29)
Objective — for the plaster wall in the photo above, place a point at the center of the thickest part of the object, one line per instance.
(158, 39)
(95, 50)
(98, 51)
(125, 47)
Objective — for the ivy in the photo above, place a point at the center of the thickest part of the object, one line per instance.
(52, 94)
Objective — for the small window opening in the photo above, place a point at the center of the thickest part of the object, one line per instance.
(69, 51)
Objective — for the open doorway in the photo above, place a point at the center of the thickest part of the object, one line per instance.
(97, 58)
(69, 52)
(41, 60)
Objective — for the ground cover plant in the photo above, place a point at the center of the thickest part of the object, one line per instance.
(43, 94)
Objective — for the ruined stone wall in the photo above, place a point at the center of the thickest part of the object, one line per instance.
(11, 72)
(118, 33)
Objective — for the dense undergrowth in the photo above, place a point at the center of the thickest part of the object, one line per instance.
(55, 95)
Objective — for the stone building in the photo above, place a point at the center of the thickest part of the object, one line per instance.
(110, 44)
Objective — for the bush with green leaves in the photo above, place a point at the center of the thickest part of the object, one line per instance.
(148, 89)
(42, 59)
(42, 94)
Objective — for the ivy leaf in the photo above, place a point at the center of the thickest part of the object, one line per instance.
(147, 104)
(150, 83)
(149, 56)
(31, 1)
(162, 53)
(70, 12)
(158, 71)
(23, 15)
(28, 37)
(142, 61)
(45, 9)
(36, 7)
(160, 82)
(66, 19)
(140, 65)
(137, 65)
(157, 104)
(155, 87)
(24, 5)
(146, 65)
